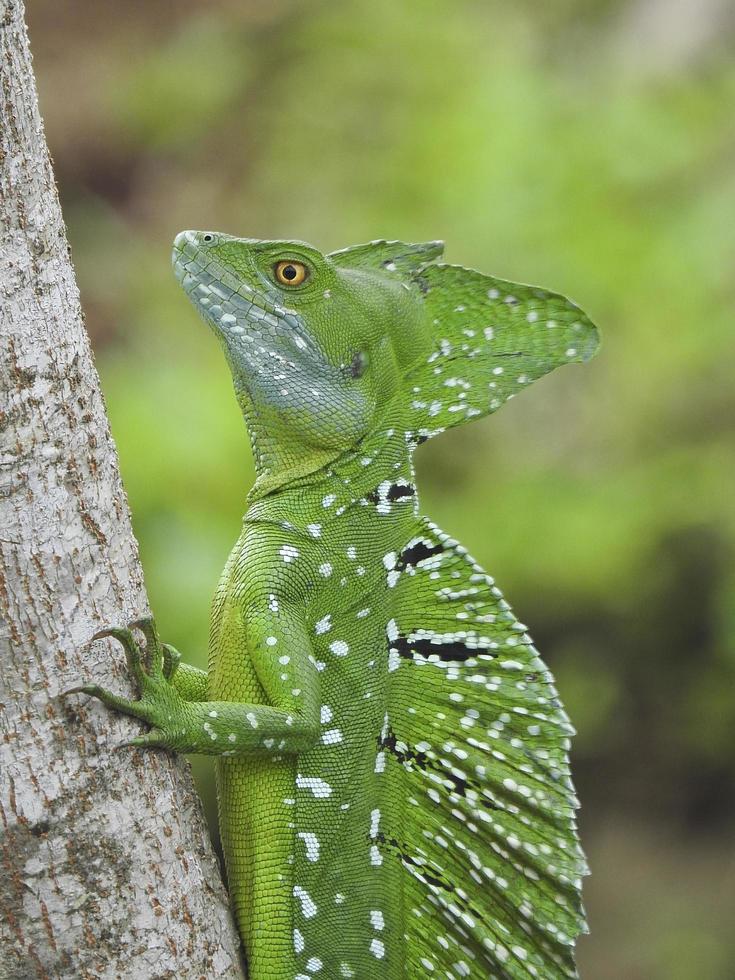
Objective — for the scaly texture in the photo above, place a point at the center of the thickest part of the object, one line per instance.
(392, 756)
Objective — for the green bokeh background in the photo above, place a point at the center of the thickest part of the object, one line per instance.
(586, 146)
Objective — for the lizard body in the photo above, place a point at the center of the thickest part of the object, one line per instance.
(392, 766)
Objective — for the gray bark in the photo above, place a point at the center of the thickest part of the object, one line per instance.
(106, 869)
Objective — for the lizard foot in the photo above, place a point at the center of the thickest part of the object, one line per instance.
(151, 666)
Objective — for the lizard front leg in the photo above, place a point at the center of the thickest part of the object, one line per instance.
(171, 693)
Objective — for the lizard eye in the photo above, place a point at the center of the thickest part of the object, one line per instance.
(290, 273)
(207, 238)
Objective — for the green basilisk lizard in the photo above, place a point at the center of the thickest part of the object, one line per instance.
(392, 768)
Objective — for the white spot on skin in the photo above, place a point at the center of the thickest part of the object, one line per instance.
(332, 736)
(325, 569)
(272, 603)
(308, 907)
(319, 787)
(326, 714)
(312, 845)
(314, 964)
(352, 552)
(289, 553)
(376, 919)
(374, 822)
(298, 941)
(232, 737)
(252, 719)
(339, 648)
(376, 858)
(271, 641)
(377, 948)
(328, 500)
(284, 660)
(315, 530)
(324, 624)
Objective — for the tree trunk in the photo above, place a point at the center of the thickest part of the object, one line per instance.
(106, 869)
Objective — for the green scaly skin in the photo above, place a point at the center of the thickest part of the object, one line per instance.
(392, 766)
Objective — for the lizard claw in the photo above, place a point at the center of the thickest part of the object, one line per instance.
(171, 660)
(80, 689)
(154, 653)
(129, 644)
(151, 740)
(128, 707)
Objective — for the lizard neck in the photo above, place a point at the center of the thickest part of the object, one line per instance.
(384, 454)
(278, 463)
(378, 471)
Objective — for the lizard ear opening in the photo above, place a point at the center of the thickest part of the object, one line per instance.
(492, 338)
(383, 256)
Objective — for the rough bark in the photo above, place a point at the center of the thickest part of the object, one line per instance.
(105, 865)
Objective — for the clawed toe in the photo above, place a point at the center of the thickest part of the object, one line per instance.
(154, 653)
(125, 637)
(171, 660)
(147, 627)
(106, 697)
(150, 740)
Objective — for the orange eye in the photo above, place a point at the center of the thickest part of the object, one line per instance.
(290, 273)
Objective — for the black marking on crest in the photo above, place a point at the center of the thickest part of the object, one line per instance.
(417, 552)
(398, 490)
(388, 493)
(431, 874)
(420, 760)
(450, 650)
(390, 742)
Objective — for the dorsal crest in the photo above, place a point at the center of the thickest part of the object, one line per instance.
(491, 338)
(398, 257)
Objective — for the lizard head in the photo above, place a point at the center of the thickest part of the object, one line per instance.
(309, 341)
(325, 349)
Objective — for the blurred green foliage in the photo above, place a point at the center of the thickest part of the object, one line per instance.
(589, 147)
